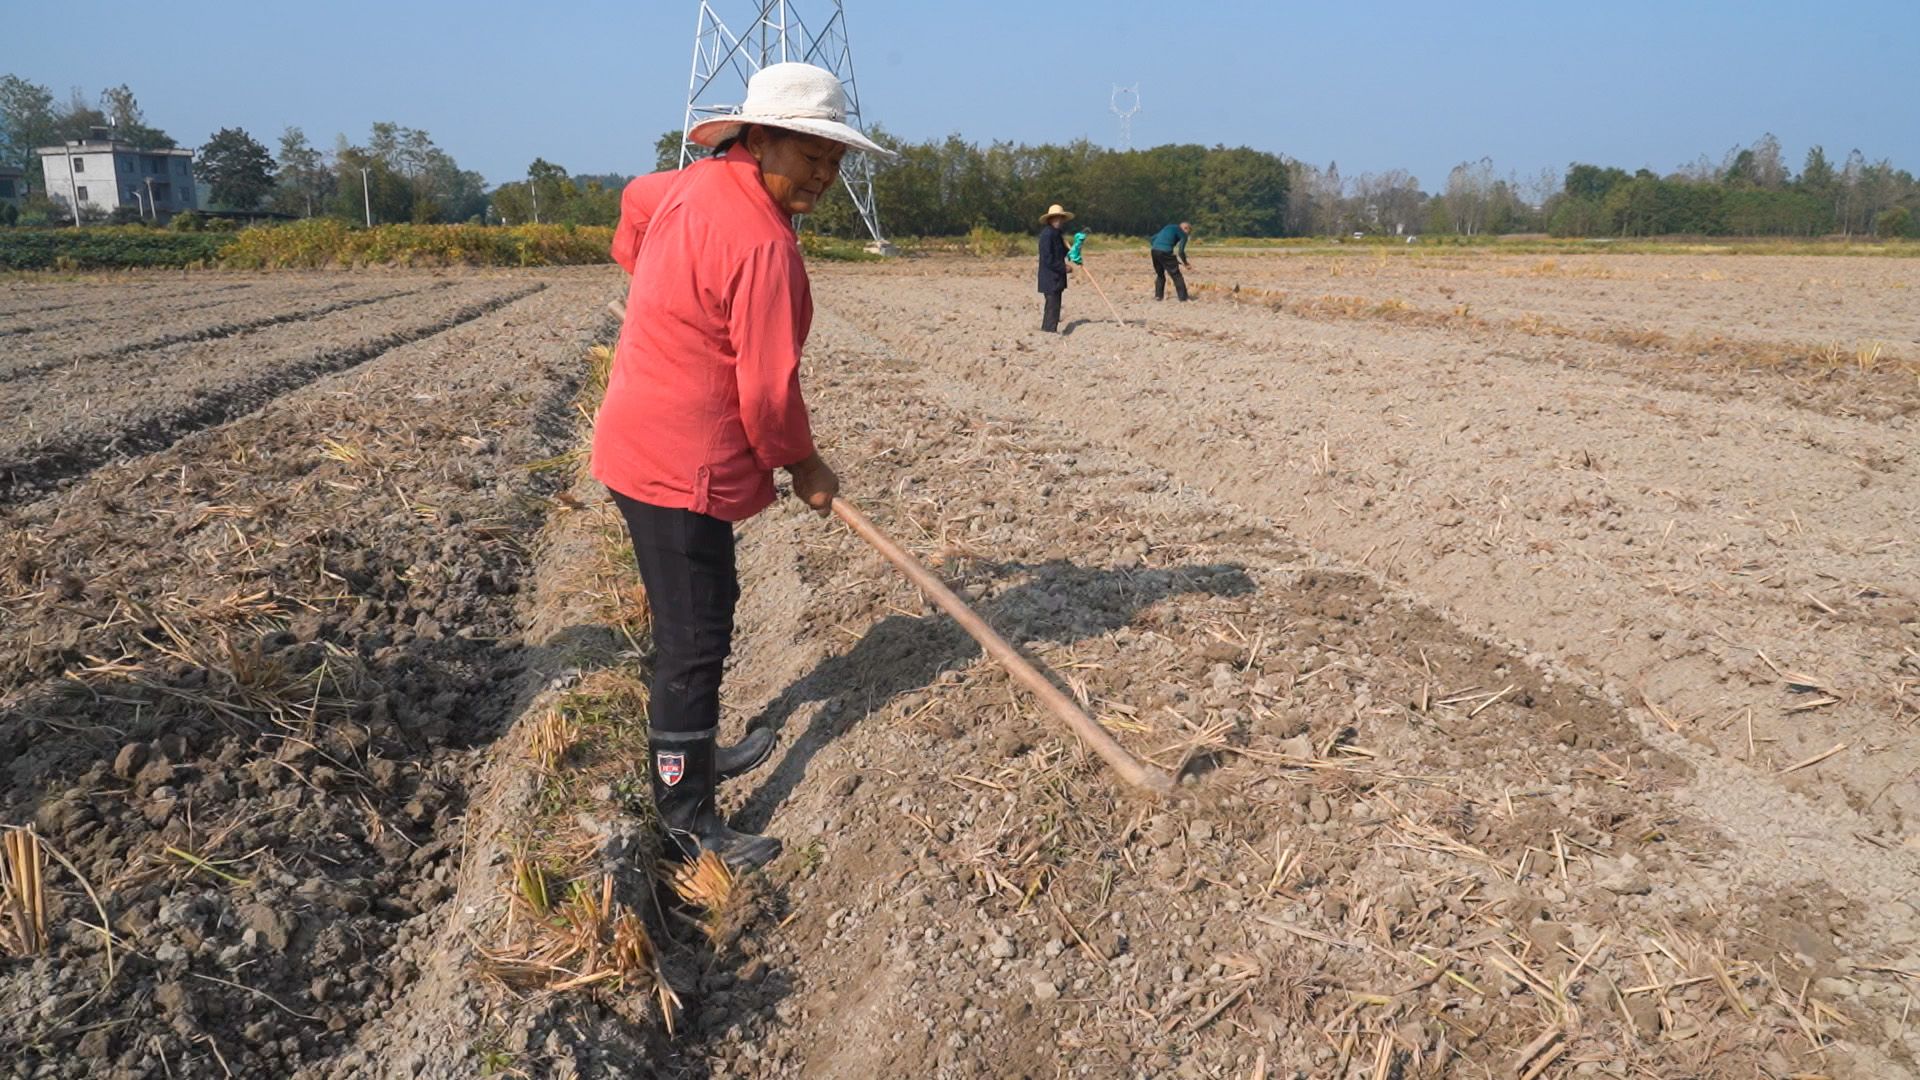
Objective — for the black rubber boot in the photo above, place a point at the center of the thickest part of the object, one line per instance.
(753, 749)
(684, 777)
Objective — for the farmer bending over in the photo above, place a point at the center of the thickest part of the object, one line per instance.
(1166, 242)
(704, 403)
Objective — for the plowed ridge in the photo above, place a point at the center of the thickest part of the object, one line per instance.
(1738, 568)
(31, 300)
(1412, 853)
(61, 428)
(327, 593)
(144, 325)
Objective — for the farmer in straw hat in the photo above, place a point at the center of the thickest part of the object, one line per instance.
(1053, 265)
(704, 403)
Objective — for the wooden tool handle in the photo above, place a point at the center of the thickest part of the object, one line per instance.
(1102, 292)
(1145, 777)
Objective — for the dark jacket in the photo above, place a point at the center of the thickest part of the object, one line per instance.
(1053, 260)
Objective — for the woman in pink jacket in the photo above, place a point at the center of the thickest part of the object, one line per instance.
(704, 404)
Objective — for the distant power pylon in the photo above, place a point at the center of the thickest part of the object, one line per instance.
(777, 32)
(1124, 103)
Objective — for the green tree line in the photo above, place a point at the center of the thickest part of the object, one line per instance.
(1750, 192)
(398, 173)
(946, 187)
(31, 117)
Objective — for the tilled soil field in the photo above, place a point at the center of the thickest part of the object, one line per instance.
(36, 298)
(246, 675)
(1544, 699)
(148, 320)
(143, 398)
(1819, 299)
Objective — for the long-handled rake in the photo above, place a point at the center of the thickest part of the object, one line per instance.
(1101, 291)
(1145, 777)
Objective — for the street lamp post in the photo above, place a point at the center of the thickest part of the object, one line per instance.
(152, 209)
(366, 195)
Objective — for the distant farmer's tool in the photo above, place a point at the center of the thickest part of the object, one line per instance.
(1101, 291)
(1131, 770)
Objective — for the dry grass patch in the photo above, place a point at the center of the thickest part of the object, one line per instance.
(708, 887)
(23, 894)
(586, 939)
(591, 745)
(560, 922)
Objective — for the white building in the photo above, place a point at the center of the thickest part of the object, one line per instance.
(103, 174)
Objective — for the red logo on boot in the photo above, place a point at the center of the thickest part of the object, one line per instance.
(672, 767)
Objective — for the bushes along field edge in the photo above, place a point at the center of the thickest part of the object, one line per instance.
(107, 247)
(324, 242)
(311, 244)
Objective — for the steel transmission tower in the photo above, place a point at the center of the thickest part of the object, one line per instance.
(723, 61)
(1123, 104)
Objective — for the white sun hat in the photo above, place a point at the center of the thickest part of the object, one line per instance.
(797, 97)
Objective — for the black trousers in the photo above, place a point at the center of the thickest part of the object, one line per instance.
(687, 562)
(1164, 263)
(1050, 318)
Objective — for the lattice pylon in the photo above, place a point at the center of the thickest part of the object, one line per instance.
(723, 61)
(1124, 103)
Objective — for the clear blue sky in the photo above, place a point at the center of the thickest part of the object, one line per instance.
(1421, 86)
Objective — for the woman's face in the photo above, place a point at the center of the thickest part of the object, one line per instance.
(797, 169)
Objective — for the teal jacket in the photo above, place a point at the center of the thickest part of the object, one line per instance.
(1171, 239)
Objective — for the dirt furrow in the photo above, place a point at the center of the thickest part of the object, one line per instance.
(203, 323)
(1680, 548)
(1840, 300)
(1390, 827)
(97, 294)
(38, 462)
(324, 638)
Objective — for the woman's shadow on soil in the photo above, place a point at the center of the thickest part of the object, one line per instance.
(1059, 602)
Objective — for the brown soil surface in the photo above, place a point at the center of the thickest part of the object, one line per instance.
(1080, 488)
(247, 677)
(143, 324)
(1502, 669)
(63, 420)
(1660, 540)
(1814, 299)
(26, 300)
